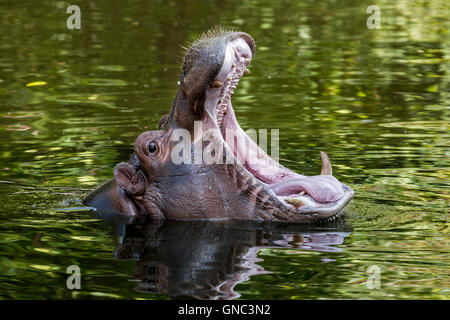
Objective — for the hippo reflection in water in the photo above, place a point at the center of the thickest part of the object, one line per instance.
(207, 259)
(152, 183)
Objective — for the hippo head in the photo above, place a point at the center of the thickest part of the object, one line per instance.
(237, 179)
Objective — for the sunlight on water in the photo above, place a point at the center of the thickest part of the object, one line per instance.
(377, 101)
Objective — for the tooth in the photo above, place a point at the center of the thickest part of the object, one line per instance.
(296, 203)
(302, 193)
(247, 60)
(246, 71)
(217, 84)
(326, 164)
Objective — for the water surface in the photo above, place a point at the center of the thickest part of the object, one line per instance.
(377, 101)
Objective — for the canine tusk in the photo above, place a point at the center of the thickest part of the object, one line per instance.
(326, 164)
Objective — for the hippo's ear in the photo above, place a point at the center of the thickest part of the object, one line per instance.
(131, 181)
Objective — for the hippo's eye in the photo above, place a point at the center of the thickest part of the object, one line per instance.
(152, 147)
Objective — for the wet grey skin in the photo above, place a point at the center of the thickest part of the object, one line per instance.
(243, 188)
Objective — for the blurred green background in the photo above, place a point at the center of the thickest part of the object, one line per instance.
(377, 101)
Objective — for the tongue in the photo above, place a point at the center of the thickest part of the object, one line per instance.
(323, 188)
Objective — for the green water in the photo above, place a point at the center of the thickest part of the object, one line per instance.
(377, 101)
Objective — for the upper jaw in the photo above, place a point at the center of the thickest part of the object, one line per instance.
(208, 59)
(321, 196)
(237, 54)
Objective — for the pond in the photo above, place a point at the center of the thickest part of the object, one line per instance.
(377, 101)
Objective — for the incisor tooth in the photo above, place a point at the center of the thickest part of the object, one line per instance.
(326, 164)
(247, 60)
(246, 71)
(217, 84)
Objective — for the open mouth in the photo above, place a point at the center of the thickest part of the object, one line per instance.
(321, 194)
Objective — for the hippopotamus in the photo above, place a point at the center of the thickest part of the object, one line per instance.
(173, 258)
(200, 164)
